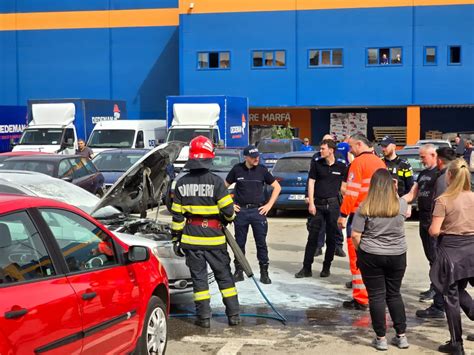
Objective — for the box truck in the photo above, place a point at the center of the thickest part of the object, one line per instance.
(12, 124)
(224, 119)
(54, 126)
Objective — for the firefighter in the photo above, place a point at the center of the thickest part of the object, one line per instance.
(399, 168)
(365, 164)
(201, 206)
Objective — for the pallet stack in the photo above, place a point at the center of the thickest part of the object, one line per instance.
(399, 133)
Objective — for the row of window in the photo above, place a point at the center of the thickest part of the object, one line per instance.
(390, 56)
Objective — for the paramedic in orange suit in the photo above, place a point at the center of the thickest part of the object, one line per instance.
(365, 164)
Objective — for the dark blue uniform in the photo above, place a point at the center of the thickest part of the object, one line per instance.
(249, 196)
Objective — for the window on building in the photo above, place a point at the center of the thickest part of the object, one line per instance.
(430, 56)
(268, 59)
(325, 57)
(454, 55)
(213, 60)
(384, 56)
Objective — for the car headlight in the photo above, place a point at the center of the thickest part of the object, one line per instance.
(163, 251)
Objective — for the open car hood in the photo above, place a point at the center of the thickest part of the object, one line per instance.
(140, 183)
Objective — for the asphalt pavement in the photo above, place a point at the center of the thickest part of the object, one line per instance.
(316, 321)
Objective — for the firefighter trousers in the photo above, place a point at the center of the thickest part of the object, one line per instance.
(359, 292)
(219, 261)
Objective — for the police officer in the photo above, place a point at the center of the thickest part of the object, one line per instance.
(200, 205)
(324, 184)
(250, 178)
(399, 168)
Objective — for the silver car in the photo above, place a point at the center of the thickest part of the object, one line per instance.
(113, 209)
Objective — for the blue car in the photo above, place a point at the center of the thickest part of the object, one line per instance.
(272, 149)
(291, 171)
(114, 162)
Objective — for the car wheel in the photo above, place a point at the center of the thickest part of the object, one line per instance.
(154, 336)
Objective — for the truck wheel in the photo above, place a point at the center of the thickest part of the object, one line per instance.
(154, 338)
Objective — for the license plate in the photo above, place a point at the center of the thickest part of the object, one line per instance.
(296, 197)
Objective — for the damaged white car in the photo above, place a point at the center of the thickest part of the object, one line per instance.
(131, 193)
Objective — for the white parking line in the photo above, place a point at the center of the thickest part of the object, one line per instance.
(232, 345)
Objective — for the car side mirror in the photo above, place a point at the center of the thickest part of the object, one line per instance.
(67, 178)
(138, 254)
(140, 144)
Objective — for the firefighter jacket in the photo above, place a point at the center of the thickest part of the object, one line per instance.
(200, 202)
(358, 181)
(402, 171)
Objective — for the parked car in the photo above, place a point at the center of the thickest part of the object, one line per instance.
(291, 171)
(272, 149)
(8, 155)
(223, 162)
(114, 162)
(71, 168)
(70, 286)
(140, 231)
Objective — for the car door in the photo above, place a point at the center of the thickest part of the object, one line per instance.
(97, 177)
(107, 289)
(39, 310)
(81, 177)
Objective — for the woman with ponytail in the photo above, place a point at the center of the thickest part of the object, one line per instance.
(453, 225)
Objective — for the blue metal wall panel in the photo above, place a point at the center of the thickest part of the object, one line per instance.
(8, 69)
(441, 27)
(66, 63)
(354, 31)
(9, 6)
(145, 69)
(240, 34)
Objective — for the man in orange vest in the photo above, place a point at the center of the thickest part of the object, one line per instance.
(365, 164)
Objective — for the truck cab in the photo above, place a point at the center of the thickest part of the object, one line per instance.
(51, 130)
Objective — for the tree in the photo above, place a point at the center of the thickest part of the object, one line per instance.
(282, 132)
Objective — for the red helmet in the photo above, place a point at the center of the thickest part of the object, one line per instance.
(201, 148)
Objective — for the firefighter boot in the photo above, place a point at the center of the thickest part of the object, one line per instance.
(264, 279)
(234, 320)
(239, 273)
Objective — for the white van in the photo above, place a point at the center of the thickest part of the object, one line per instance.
(127, 134)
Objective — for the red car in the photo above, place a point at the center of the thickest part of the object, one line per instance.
(69, 286)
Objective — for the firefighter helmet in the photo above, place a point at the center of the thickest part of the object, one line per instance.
(201, 148)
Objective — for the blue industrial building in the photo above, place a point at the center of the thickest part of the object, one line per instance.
(401, 62)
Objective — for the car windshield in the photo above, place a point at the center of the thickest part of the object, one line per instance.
(43, 167)
(274, 146)
(41, 136)
(186, 134)
(224, 162)
(414, 160)
(59, 190)
(116, 161)
(292, 165)
(112, 138)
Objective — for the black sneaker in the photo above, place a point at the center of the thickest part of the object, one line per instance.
(234, 320)
(339, 252)
(431, 312)
(470, 337)
(428, 296)
(318, 252)
(427, 292)
(451, 348)
(325, 272)
(353, 304)
(203, 322)
(348, 284)
(303, 273)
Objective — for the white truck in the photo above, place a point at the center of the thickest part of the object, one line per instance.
(223, 119)
(127, 134)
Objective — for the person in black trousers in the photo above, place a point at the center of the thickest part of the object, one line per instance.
(324, 185)
(378, 235)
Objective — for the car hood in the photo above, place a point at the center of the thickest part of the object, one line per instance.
(134, 189)
(111, 176)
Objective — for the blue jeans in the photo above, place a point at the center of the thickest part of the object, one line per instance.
(251, 217)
